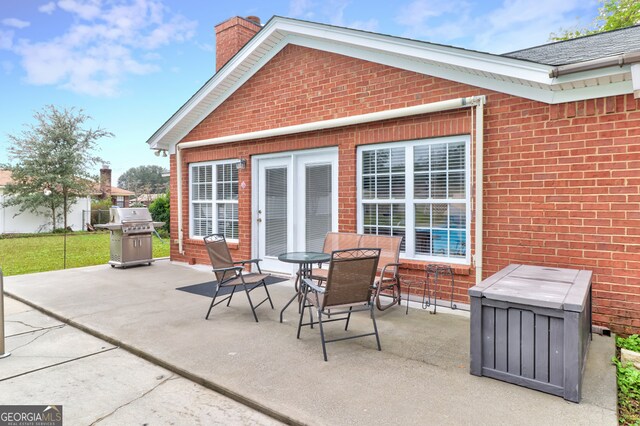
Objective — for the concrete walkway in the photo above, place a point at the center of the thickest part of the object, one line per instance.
(98, 383)
(420, 377)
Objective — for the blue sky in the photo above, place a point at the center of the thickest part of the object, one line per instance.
(130, 64)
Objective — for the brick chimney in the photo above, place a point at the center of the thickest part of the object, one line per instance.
(105, 182)
(232, 35)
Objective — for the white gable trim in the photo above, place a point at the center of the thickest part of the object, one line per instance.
(506, 75)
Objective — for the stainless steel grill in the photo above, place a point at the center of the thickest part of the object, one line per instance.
(131, 230)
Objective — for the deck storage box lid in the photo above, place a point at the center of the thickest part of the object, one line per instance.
(555, 288)
(531, 325)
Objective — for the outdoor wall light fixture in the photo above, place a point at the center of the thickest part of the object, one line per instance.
(240, 165)
(159, 151)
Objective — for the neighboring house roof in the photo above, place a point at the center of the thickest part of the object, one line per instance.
(119, 191)
(115, 191)
(582, 49)
(5, 177)
(504, 74)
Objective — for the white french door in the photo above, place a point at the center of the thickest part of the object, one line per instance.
(295, 204)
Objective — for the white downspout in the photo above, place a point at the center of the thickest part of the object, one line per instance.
(470, 101)
(479, 179)
(179, 195)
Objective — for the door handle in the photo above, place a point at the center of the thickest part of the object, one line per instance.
(259, 220)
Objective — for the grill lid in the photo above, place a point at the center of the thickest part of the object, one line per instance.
(127, 215)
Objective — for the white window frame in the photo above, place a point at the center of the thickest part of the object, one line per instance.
(409, 201)
(214, 201)
(120, 200)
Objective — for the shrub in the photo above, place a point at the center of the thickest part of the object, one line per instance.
(159, 210)
(628, 384)
(632, 342)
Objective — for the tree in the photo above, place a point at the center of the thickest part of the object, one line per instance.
(612, 15)
(144, 180)
(51, 163)
(160, 209)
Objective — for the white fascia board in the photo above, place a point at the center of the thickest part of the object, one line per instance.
(486, 62)
(409, 64)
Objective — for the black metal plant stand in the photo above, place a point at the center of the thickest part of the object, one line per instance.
(435, 273)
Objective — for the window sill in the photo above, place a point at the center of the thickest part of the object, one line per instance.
(233, 245)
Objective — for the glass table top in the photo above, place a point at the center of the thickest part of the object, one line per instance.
(304, 257)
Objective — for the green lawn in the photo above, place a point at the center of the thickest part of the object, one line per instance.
(39, 253)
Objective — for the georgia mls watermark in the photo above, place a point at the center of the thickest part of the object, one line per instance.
(30, 415)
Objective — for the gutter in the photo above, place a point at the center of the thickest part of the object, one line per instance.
(619, 60)
(467, 102)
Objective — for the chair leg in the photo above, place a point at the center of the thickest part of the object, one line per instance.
(348, 318)
(375, 327)
(302, 313)
(213, 300)
(324, 348)
(250, 302)
(395, 295)
(268, 295)
(233, 290)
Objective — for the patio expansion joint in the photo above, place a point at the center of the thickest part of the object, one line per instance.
(154, 387)
(222, 390)
(57, 364)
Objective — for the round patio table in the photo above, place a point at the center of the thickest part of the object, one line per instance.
(305, 261)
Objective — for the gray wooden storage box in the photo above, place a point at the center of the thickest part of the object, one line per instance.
(531, 326)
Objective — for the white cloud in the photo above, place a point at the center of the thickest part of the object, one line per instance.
(301, 9)
(330, 11)
(87, 9)
(15, 23)
(47, 8)
(207, 47)
(6, 39)
(419, 11)
(514, 24)
(107, 42)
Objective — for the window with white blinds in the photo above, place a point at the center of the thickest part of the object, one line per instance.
(318, 205)
(214, 199)
(419, 190)
(275, 220)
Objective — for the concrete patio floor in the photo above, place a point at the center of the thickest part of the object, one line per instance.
(420, 377)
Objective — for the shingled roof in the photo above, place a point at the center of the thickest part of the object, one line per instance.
(582, 49)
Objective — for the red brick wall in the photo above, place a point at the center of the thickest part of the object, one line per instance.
(231, 36)
(561, 182)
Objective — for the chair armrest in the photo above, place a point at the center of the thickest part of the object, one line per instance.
(384, 268)
(231, 268)
(243, 262)
(313, 286)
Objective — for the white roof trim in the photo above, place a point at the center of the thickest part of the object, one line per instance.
(507, 75)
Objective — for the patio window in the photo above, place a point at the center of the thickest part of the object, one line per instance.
(214, 199)
(419, 190)
(120, 201)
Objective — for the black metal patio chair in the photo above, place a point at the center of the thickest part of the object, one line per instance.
(349, 285)
(230, 273)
